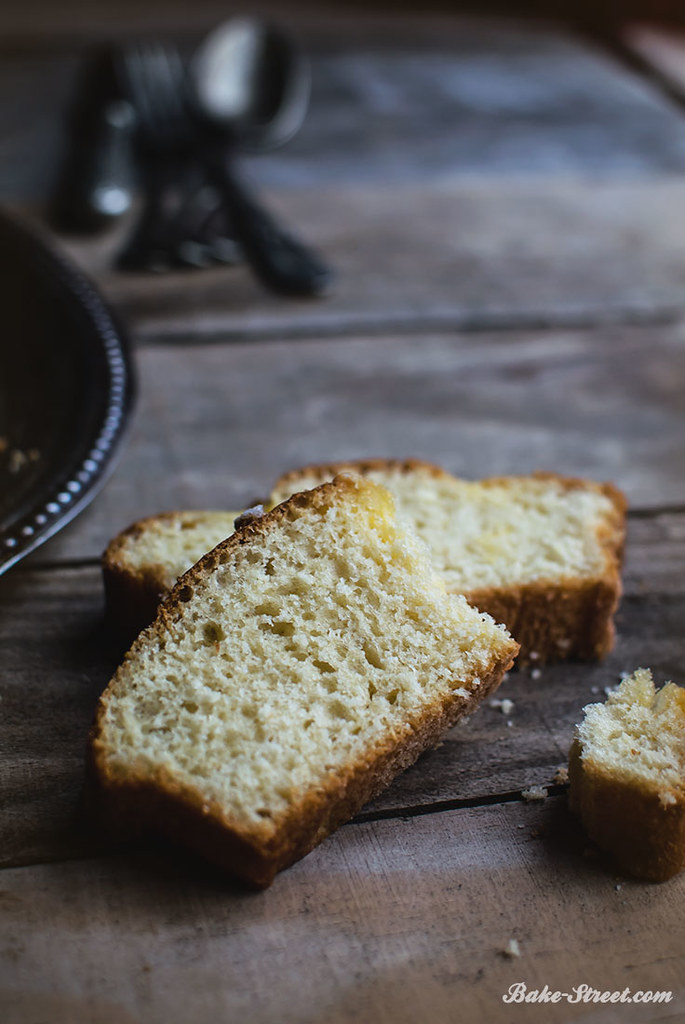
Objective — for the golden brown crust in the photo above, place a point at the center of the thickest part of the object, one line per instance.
(180, 812)
(557, 619)
(628, 821)
(552, 620)
(361, 466)
(183, 816)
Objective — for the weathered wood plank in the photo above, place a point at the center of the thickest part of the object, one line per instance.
(449, 171)
(436, 255)
(216, 425)
(388, 921)
(56, 658)
(394, 99)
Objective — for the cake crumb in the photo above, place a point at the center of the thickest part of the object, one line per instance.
(506, 706)
(512, 949)
(255, 512)
(534, 793)
(534, 655)
(17, 460)
(535, 673)
(561, 776)
(618, 888)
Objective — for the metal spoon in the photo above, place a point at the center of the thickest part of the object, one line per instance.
(250, 87)
(252, 82)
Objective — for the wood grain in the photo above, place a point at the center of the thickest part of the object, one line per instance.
(394, 99)
(501, 204)
(386, 921)
(216, 424)
(56, 658)
(440, 254)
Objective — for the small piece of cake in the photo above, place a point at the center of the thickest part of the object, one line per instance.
(627, 775)
(539, 553)
(141, 564)
(288, 677)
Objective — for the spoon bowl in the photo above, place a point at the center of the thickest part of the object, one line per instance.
(251, 82)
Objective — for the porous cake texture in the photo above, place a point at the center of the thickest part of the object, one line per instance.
(142, 564)
(540, 553)
(288, 677)
(627, 775)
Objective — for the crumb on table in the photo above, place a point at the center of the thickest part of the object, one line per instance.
(534, 793)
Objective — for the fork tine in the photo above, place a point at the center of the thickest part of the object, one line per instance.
(134, 68)
(155, 75)
(172, 72)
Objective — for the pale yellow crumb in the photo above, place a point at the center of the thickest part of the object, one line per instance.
(534, 793)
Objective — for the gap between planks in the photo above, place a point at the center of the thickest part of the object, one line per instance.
(222, 328)
(98, 848)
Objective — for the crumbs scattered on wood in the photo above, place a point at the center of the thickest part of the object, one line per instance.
(506, 706)
(512, 949)
(534, 793)
(248, 516)
(561, 776)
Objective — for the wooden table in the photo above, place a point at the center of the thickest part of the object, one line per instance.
(504, 205)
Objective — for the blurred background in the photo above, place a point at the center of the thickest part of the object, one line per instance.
(479, 99)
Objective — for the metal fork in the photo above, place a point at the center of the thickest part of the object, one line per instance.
(173, 136)
(183, 221)
(154, 76)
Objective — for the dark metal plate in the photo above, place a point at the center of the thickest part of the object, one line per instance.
(66, 390)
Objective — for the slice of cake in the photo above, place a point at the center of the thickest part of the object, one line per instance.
(289, 676)
(627, 775)
(539, 553)
(141, 564)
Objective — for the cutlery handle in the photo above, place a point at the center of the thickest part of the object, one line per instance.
(280, 260)
(100, 183)
(182, 220)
